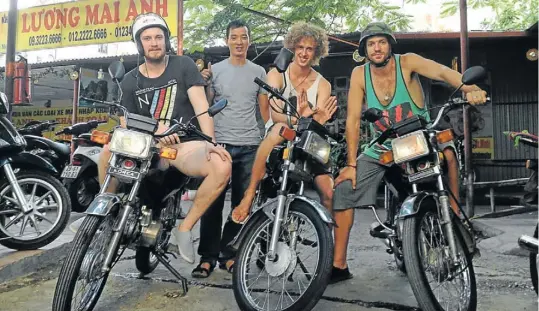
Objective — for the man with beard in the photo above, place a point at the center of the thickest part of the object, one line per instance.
(313, 92)
(236, 128)
(390, 83)
(169, 87)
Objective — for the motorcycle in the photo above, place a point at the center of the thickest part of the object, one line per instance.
(29, 194)
(435, 243)
(530, 198)
(285, 228)
(80, 175)
(142, 218)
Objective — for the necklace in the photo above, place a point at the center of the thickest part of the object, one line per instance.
(386, 98)
(146, 66)
(295, 88)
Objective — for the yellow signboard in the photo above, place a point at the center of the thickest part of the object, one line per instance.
(82, 22)
(483, 147)
(23, 115)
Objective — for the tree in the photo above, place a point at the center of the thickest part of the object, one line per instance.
(206, 20)
(509, 14)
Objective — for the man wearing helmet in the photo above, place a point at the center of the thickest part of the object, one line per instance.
(390, 83)
(169, 87)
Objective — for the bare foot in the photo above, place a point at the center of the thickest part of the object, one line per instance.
(241, 212)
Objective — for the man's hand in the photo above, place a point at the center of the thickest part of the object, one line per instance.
(167, 140)
(206, 73)
(326, 111)
(303, 105)
(347, 173)
(476, 97)
(219, 150)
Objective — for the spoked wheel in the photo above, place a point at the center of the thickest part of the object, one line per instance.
(45, 220)
(83, 191)
(298, 276)
(81, 278)
(437, 283)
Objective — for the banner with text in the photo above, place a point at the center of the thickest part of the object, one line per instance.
(23, 115)
(82, 22)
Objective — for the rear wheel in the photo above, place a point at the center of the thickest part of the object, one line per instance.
(145, 260)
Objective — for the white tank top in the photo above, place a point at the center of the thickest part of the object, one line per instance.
(289, 91)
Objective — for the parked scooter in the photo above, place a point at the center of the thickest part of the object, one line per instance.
(30, 196)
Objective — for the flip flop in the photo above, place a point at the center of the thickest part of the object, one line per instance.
(230, 269)
(201, 273)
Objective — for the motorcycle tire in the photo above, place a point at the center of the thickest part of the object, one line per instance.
(69, 273)
(533, 265)
(92, 188)
(64, 211)
(145, 261)
(415, 270)
(318, 284)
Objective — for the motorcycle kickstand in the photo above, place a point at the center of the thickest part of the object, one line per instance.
(162, 257)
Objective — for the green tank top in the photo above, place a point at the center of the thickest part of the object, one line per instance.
(401, 107)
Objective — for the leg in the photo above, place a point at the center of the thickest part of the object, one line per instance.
(210, 234)
(102, 166)
(453, 175)
(259, 170)
(192, 160)
(369, 174)
(324, 187)
(244, 157)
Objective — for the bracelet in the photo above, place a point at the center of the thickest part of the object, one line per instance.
(350, 165)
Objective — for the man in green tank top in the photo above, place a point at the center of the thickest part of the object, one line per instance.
(388, 82)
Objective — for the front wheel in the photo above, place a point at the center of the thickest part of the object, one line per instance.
(533, 265)
(298, 276)
(437, 283)
(145, 260)
(81, 272)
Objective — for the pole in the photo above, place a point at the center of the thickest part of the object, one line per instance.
(464, 53)
(10, 54)
(180, 27)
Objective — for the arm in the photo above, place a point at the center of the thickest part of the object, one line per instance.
(200, 104)
(324, 92)
(435, 71)
(353, 116)
(275, 80)
(263, 102)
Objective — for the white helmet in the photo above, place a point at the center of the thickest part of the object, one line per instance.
(145, 21)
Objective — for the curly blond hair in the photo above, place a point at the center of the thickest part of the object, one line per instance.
(301, 30)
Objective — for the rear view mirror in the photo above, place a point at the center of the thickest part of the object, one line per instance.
(372, 115)
(117, 71)
(4, 104)
(217, 107)
(474, 75)
(283, 59)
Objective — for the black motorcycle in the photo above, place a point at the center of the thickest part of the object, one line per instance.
(285, 249)
(30, 197)
(435, 244)
(141, 219)
(526, 242)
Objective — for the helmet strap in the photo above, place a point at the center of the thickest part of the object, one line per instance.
(386, 61)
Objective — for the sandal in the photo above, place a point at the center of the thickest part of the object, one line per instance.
(230, 267)
(200, 272)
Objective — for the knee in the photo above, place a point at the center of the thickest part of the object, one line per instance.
(327, 197)
(220, 170)
(274, 135)
(450, 156)
(104, 156)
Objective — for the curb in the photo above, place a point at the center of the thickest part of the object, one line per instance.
(508, 212)
(48, 258)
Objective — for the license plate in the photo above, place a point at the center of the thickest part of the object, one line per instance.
(70, 172)
(120, 172)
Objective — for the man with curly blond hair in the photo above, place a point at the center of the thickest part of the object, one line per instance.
(313, 96)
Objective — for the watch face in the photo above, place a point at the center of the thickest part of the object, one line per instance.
(358, 58)
(200, 64)
(531, 54)
(74, 75)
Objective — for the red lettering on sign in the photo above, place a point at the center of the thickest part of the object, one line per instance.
(25, 26)
(145, 7)
(74, 17)
(92, 17)
(161, 7)
(106, 18)
(132, 11)
(49, 19)
(61, 18)
(117, 11)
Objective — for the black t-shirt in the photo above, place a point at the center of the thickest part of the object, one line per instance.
(164, 97)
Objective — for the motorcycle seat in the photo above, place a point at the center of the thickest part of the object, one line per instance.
(59, 148)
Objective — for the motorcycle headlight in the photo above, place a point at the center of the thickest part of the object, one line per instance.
(131, 143)
(316, 146)
(409, 147)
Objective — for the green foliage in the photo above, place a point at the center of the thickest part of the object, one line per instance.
(206, 20)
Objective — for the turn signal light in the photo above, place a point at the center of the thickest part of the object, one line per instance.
(386, 157)
(100, 137)
(287, 133)
(168, 153)
(444, 136)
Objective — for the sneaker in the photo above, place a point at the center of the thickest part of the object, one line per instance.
(339, 275)
(186, 247)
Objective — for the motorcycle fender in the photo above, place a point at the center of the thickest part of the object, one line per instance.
(103, 204)
(268, 209)
(27, 160)
(415, 202)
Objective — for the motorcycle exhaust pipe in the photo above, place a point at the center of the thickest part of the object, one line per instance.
(528, 243)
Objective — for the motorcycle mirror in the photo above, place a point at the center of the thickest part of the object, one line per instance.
(473, 75)
(217, 107)
(117, 71)
(372, 115)
(284, 59)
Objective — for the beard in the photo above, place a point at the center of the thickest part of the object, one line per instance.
(155, 58)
